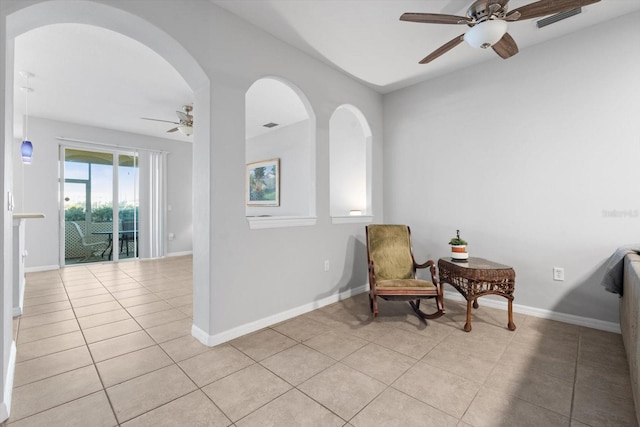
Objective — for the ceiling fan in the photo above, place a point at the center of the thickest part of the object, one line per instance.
(488, 19)
(185, 124)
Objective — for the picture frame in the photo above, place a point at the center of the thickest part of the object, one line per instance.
(263, 183)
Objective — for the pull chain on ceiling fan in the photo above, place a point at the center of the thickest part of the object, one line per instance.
(488, 21)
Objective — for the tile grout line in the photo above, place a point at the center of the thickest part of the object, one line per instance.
(174, 363)
(95, 366)
(575, 379)
(87, 347)
(301, 342)
(510, 342)
(143, 329)
(90, 355)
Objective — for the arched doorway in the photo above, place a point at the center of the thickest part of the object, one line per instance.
(134, 27)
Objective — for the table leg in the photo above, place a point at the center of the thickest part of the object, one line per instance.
(511, 325)
(467, 326)
(109, 246)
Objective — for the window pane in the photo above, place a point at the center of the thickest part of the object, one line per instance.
(101, 193)
(128, 186)
(75, 170)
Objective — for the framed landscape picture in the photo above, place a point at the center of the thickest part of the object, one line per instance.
(263, 183)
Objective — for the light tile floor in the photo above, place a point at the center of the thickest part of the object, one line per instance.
(110, 344)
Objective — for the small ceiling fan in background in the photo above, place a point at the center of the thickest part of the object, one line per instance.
(185, 125)
(488, 21)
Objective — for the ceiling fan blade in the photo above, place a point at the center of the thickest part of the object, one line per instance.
(182, 116)
(506, 47)
(158, 120)
(443, 49)
(546, 7)
(172, 130)
(435, 18)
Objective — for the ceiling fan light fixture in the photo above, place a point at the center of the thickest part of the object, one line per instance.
(185, 130)
(486, 34)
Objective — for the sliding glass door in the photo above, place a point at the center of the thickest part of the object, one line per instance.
(100, 203)
(128, 204)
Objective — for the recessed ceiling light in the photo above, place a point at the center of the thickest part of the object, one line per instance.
(270, 125)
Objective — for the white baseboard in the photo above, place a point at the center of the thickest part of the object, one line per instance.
(542, 313)
(212, 340)
(184, 253)
(5, 406)
(41, 268)
(17, 311)
(57, 267)
(200, 335)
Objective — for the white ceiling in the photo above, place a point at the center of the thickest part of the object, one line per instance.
(366, 39)
(89, 75)
(79, 76)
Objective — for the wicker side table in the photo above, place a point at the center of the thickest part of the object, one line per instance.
(476, 278)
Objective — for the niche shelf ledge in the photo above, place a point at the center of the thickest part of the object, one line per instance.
(262, 222)
(352, 219)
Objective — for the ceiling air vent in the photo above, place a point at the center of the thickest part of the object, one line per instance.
(558, 17)
(270, 125)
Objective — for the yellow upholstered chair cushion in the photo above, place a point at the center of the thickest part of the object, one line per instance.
(409, 284)
(390, 251)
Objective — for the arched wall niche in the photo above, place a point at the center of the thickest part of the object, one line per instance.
(350, 156)
(156, 39)
(288, 137)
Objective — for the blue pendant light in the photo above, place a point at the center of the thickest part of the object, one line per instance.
(26, 149)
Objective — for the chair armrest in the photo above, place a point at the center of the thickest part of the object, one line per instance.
(432, 268)
(428, 263)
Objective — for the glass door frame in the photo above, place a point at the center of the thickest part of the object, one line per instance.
(115, 153)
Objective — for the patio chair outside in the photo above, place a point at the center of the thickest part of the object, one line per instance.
(91, 249)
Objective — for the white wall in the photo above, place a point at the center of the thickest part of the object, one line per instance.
(254, 274)
(526, 156)
(258, 274)
(37, 189)
(292, 146)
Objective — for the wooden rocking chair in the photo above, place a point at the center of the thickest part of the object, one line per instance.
(392, 270)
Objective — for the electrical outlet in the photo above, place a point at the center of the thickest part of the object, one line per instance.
(326, 265)
(558, 273)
